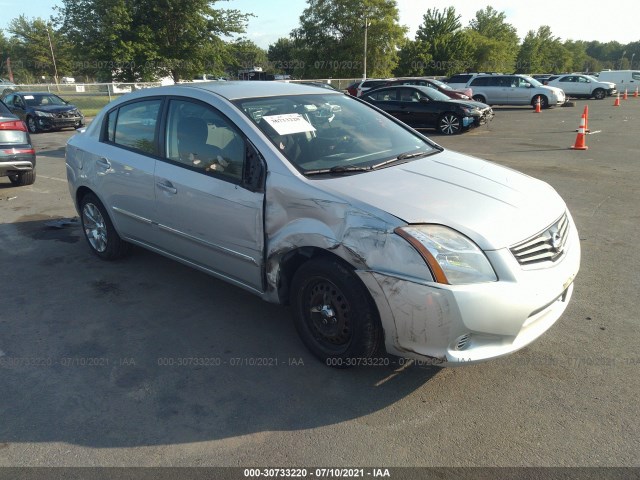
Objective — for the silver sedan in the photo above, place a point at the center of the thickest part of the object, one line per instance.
(376, 236)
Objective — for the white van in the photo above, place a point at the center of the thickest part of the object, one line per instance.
(624, 79)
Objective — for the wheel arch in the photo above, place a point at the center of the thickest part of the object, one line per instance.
(290, 262)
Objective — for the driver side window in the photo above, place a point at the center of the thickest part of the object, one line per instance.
(201, 138)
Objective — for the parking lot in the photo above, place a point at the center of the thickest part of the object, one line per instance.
(145, 362)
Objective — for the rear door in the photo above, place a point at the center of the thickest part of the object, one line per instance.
(123, 168)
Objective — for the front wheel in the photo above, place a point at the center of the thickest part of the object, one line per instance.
(599, 94)
(99, 231)
(450, 124)
(32, 125)
(479, 98)
(544, 102)
(334, 313)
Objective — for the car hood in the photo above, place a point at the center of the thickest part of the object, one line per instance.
(470, 104)
(495, 206)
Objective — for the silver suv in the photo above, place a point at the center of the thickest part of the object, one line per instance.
(514, 90)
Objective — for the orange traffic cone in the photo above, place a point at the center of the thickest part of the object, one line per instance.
(635, 94)
(580, 138)
(617, 102)
(537, 110)
(585, 114)
(625, 97)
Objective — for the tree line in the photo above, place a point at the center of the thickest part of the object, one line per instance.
(144, 40)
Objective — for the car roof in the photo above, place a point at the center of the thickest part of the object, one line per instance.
(234, 90)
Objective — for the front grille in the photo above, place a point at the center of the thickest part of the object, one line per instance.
(547, 246)
(66, 115)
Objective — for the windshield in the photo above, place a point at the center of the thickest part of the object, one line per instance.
(332, 132)
(42, 100)
(532, 81)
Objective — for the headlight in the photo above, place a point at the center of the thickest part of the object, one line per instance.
(40, 113)
(471, 111)
(452, 258)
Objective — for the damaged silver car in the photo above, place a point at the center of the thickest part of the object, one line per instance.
(376, 236)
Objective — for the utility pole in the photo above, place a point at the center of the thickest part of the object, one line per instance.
(53, 57)
(367, 24)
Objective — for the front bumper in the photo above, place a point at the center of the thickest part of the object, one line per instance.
(56, 123)
(451, 325)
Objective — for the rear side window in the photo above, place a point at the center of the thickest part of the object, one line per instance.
(134, 126)
(480, 82)
(635, 75)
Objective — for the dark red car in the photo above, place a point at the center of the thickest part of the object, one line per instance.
(442, 87)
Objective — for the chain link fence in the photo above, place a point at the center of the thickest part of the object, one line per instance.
(91, 97)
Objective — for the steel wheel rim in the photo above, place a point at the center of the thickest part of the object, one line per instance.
(328, 314)
(95, 228)
(32, 124)
(449, 124)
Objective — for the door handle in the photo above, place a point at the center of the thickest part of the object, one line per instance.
(103, 164)
(167, 186)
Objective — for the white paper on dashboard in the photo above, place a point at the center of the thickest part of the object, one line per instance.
(289, 123)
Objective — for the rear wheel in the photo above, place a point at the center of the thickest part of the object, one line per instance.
(334, 313)
(24, 178)
(450, 124)
(599, 94)
(99, 231)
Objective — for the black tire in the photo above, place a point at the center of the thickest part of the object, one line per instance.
(450, 124)
(544, 101)
(599, 94)
(32, 125)
(479, 98)
(24, 178)
(334, 313)
(101, 236)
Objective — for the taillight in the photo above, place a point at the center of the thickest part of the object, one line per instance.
(17, 151)
(13, 125)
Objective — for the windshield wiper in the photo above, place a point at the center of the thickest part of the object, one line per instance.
(343, 169)
(402, 157)
(338, 170)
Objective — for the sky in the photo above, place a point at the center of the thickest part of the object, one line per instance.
(276, 18)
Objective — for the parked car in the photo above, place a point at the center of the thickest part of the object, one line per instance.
(514, 90)
(17, 155)
(575, 85)
(461, 80)
(424, 107)
(43, 111)
(624, 79)
(7, 87)
(365, 85)
(464, 94)
(374, 234)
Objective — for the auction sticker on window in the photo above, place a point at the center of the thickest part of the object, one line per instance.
(289, 123)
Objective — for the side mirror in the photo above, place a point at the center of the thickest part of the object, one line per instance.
(254, 169)
(424, 100)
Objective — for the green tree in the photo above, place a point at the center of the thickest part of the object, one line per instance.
(413, 60)
(332, 35)
(245, 54)
(284, 57)
(541, 52)
(31, 45)
(133, 40)
(442, 38)
(494, 42)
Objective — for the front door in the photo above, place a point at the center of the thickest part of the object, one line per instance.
(205, 215)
